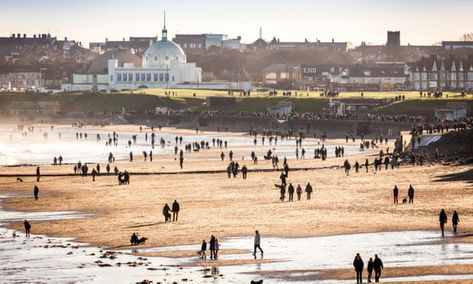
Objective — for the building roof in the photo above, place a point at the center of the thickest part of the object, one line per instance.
(100, 64)
(281, 68)
(377, 70)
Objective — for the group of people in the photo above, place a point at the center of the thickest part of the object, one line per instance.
(291, 190)
(443, 220)
(375, 265)
(214, 247)
(174, 210)
(410, 195)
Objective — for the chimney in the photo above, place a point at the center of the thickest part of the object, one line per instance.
(24, 35)
(13, 35)
(34, 36)
(18, 35)
(333, 40)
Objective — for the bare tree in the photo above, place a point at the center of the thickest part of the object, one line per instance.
(467, 37)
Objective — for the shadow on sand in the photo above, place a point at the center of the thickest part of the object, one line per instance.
(145, 225)
(461, 176)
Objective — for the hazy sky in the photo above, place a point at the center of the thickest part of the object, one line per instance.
(420, 21)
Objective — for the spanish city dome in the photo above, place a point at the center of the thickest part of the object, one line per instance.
(162, 52)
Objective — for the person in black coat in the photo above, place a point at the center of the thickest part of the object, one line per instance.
(175, 211)
(455, 220)
(166, 214)
(290, 190)
(38, 174)
(443, 221)
(27, 228)
(378, 266)
(370, 269)
(308, 190)
(396, 194)
(358, 265)
(36, 192)
(410, 194)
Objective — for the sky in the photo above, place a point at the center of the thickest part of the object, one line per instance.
(420, 21)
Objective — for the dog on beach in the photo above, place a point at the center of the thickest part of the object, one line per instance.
(404, 201)
(141, 241)
(256, 282)
(18, 179)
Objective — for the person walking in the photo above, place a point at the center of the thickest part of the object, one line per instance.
(217, 247)
(290, 190)
(299, 192)
(358, 265)
(166, 214)
(38, 173)
(94, 174)
(455, 220)
(410, 194)
(203, 249)
(370, 269)
(257, 243)
(308, 190)
(212, 247)
(27, 226)
(175, 211)
(443, 221)
(378, 266)
(36, 192)
(396, 194)
(244, 171)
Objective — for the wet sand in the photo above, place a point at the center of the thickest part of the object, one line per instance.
(348, 274)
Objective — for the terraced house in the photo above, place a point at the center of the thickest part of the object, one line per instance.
(434, 73)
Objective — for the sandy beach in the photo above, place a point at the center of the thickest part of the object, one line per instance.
(212, 203)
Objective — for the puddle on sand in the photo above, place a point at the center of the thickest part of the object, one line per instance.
(41, 259)
(396, 249)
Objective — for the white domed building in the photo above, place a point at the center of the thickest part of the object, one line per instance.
(164, 65)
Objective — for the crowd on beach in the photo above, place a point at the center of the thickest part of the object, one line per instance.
(384, 159)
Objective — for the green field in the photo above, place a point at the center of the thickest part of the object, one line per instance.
(185, 93)
(148, 99)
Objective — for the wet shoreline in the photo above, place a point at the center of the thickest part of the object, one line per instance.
(97, 262)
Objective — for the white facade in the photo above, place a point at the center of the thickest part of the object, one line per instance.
(164, 66)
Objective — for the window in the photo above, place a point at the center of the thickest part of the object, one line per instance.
(119, 77)
(155, 77)
(143, 77)
(125, 77)
(148, 77)
(173, 78)
(111, 78)
(166, 77)
(161, 77)
(130, 77)
(137, 77)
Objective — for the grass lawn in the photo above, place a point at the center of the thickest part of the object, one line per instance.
(148, 99)
(187, 93)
